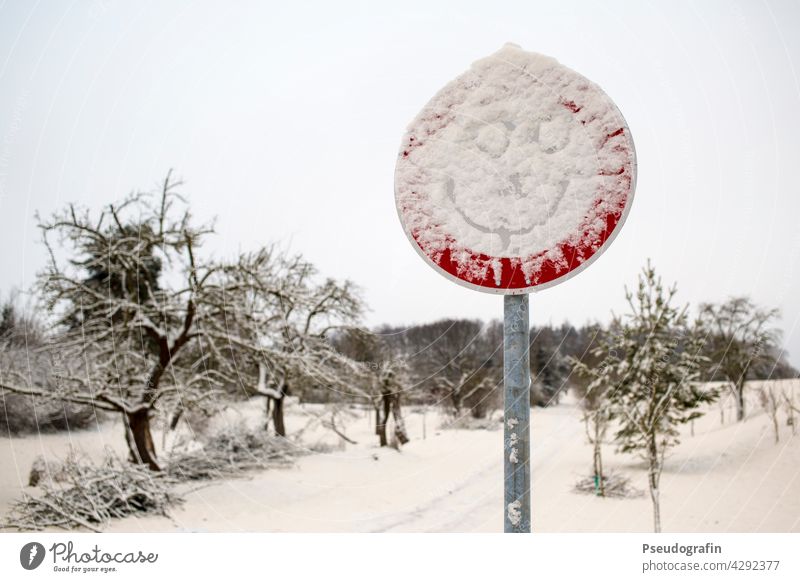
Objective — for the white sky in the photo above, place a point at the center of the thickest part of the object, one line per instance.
(284, 121)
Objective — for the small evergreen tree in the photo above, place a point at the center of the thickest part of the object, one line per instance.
(655, 361)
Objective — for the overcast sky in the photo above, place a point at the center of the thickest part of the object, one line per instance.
(284, 120)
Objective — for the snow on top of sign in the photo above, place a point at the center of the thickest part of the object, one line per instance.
(519, 164)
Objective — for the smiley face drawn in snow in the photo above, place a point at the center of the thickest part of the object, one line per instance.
(524, 163)
(515, 174)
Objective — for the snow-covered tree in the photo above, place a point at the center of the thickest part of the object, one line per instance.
(738, 340)
(143, 322)
(278, 321)
(788, 398)
(770, 399)
(383, 379)
(655, 363)
(392, 382)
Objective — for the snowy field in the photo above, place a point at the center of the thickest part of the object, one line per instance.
(728, 477)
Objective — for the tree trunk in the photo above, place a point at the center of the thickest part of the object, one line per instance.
(455, 398)
(478, 411)
(776, 427)
(274, 405)
(176, 418)
(654, 496)
(654, 474)
(399, 423)
(140, 439)
(277, 416)
(739, 395)
(773, 408)
(381, 419)
(599, 480)
(598, 426)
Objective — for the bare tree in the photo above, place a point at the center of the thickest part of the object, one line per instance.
(139, 315)
(382, 380)
(791, 408)
(280, 324)
(738, 337)
(458, 360)
(771, 403)
(549, 367)
(392, 379)
(451, 356)
(592, 381)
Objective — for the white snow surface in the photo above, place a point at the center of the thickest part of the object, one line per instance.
(726, 478)
(512, 159)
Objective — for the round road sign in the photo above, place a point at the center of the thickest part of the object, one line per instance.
(516, 175)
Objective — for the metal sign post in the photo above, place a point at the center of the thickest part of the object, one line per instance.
(517, 434)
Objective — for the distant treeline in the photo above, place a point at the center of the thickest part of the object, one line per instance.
(458, 363)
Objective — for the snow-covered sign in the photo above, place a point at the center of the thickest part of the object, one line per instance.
(516, 175)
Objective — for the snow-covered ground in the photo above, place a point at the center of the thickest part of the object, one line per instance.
(730, 477)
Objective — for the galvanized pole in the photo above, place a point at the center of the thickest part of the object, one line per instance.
(517, 387)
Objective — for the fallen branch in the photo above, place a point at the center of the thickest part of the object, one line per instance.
(230, 452)
(77, 493)
(89, 496)
(331, 425)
